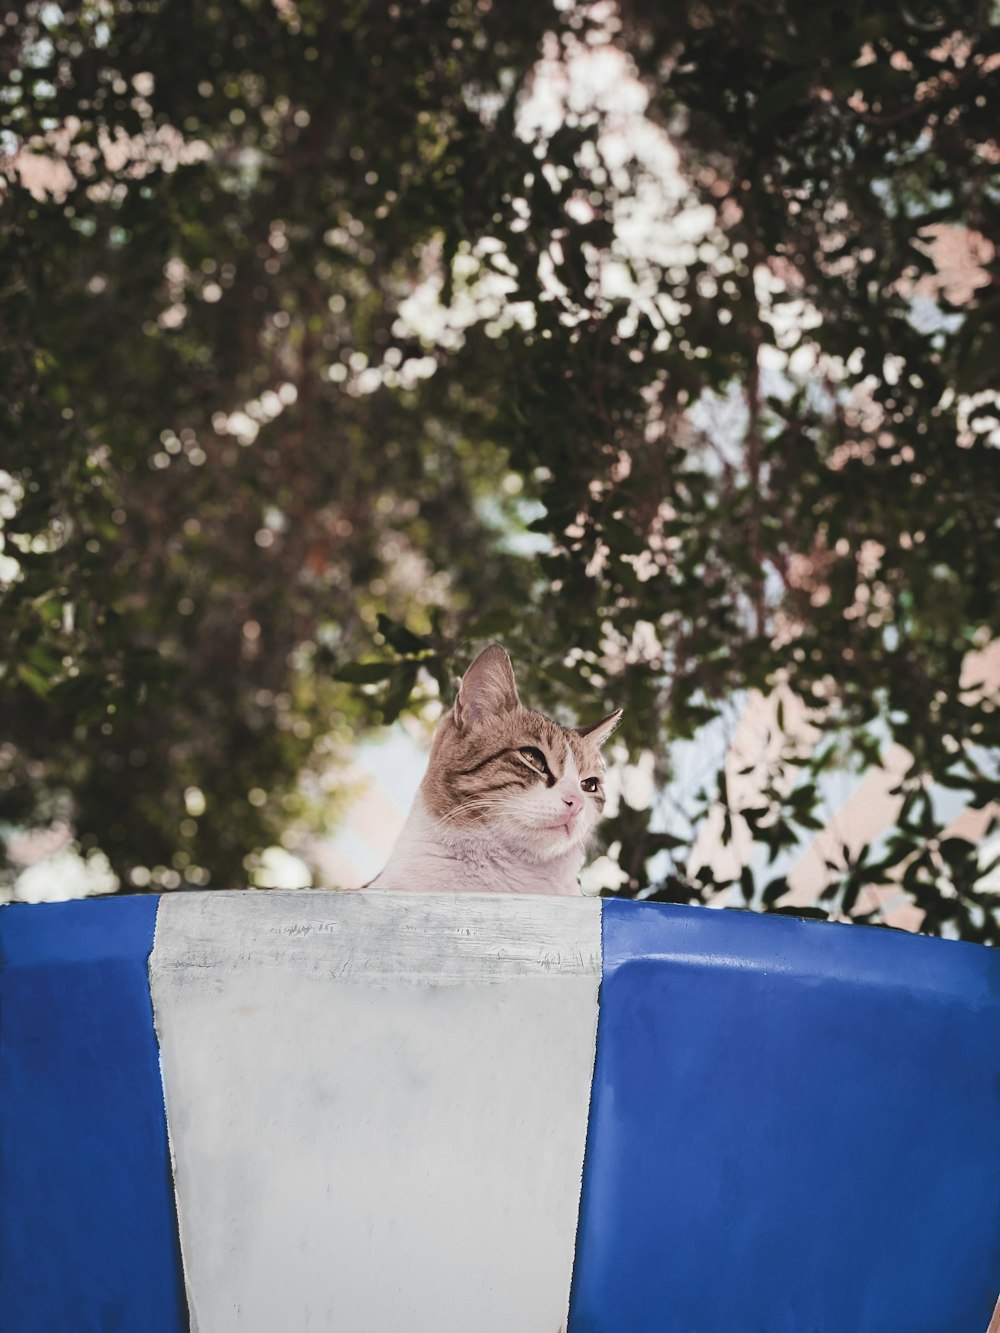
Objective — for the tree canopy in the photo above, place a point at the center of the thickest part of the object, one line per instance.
(339, 337)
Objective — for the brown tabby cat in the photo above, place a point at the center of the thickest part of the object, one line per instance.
(509, 800)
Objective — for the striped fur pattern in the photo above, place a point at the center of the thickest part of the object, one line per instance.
(510, 798)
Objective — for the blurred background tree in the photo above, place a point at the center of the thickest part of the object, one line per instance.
(339, 337)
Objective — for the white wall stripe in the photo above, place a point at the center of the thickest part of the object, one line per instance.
(377, 1106)
(438, 939)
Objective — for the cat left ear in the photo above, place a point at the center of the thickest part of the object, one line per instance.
(487, 688)
(598, 732)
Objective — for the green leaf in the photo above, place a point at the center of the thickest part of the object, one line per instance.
(774, 890)
(401, 684)
(399, 637)
(438, 668)
(364, 673)
(492, 625)
(34, 680)
(622, 538)
(747, 884)
(783, 95)
(661, 842)
(567, 676)
(851, 891)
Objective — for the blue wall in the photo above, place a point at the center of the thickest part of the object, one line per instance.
(88, 1240)
(795, 1128)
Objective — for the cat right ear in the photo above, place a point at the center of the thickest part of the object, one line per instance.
(487, 688)
(599, 732)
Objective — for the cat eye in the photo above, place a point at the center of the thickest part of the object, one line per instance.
(534, 759)
(590, 784)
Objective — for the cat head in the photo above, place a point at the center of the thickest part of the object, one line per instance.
(497, 768)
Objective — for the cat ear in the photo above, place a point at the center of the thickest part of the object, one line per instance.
(487, 688)
(598, 732)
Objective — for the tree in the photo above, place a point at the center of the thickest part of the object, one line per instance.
(259, 502)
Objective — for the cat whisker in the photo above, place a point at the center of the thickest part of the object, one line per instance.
(477, 803)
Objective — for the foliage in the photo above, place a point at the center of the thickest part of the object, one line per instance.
(694, 339)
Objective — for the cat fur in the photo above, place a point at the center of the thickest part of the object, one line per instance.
(485, 819)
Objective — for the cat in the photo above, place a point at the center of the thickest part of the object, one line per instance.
(509, 800)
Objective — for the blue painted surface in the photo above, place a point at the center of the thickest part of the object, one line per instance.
(88, 1240)
(795, 1128)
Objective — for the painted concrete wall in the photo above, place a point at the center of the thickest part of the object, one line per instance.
(387, 1113)
(88, 1238)
(378, 1109)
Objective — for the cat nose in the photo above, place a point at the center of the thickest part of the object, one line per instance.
(573, 802)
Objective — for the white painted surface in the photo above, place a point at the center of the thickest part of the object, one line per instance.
(377, 1106)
